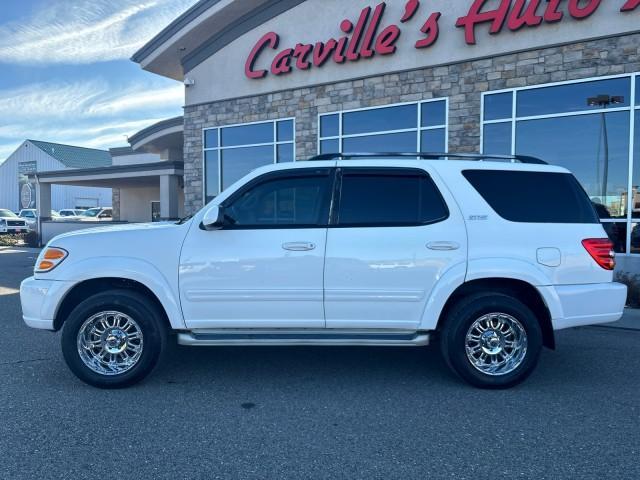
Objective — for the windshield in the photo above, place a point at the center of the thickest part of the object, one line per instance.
(92, 212)
(7, 214)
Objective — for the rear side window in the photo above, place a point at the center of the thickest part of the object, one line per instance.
(533, 197)
(389, 197)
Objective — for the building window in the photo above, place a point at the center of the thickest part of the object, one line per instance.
(589, 127)
(408, 127)
(233, 151)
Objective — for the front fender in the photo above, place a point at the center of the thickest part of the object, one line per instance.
(128, 268)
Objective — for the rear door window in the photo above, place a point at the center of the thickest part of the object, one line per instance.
(533, 197)
(388, 197)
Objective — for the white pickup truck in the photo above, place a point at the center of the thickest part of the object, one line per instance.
(486, 258)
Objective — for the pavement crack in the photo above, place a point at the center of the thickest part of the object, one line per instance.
(34, 360)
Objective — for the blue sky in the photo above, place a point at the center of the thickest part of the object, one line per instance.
(65, 73)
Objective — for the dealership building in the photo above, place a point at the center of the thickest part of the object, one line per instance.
(271, 81)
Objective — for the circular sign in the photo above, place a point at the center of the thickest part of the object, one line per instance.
(26, 195)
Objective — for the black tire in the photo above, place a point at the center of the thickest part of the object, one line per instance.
(458, 323)
(149, 320)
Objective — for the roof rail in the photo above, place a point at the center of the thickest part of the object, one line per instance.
(429, 156)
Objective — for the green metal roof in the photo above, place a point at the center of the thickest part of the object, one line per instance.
(75, 157)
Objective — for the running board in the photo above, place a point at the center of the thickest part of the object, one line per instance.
(211, 338)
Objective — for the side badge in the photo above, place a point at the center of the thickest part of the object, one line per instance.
(477, 218)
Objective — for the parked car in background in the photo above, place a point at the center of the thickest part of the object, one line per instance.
(98, 214)
(30, 215)
(71, 213)
(11, 223)
(384, 251)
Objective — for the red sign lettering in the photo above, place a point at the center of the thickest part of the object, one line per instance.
(580, 12)
(366, 38)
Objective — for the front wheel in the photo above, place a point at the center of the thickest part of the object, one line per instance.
(113, 339)
(491, 340)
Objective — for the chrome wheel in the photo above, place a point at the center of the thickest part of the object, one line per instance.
(110, 343)
(496, 344)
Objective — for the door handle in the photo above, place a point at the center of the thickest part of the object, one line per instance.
(443, 246)
(299, 246)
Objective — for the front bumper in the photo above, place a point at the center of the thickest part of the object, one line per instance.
(579, 305)
(40, 300)
(11, 230)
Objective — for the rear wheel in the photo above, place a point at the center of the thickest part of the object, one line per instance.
(113, 339)
(491, 340)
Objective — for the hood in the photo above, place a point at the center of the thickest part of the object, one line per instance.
(115, 229)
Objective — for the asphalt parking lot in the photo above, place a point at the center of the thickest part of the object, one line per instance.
(309, 413)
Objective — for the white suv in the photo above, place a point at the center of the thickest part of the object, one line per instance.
(486, 258)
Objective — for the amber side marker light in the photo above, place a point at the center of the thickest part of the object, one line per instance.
(51, 258)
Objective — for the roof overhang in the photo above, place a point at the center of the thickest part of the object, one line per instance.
(162, 136)
(202, 30)
(146, 174)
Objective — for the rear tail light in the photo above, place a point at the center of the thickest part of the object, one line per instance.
(601, 249)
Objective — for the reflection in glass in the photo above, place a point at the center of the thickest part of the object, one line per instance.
(330, 146)
(285, 131)
(285, 153)
(330, 125)
(498, 106)
(238, 162)
(497, 139)
(636, 167)
(380, 120)
(635, 238)
(434, 114)
(617, 232)
(393, 142)
(212, 179)
(247, 134)
(594, 147)
(433, 140)
(638, 90)
(211, 138)
(571, 97)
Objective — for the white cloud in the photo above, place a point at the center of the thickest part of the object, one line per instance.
(89, 99)
(92, 113)
(86, 31)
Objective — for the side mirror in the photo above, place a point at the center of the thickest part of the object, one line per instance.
(213, 218)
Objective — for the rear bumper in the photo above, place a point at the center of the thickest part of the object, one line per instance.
(40, 300)
(578, 305)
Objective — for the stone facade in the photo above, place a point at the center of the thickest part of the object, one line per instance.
(463, 83)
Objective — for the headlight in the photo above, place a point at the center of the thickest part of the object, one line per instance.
(50, 259)
(3, 221)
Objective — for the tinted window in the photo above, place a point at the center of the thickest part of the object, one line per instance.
(570, 97)
(498, 106)
(391, 142)
(380, 119)
(283, 202)
(434, 114)
(534, 197)
(497, 139)
(389, 198)
(238, 162)
(248, 134)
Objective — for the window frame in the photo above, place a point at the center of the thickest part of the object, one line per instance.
(383, 172)
(220, 148)
(418, 128)
(281, 175)
(633, 107)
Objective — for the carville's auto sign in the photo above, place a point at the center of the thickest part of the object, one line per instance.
(368, 36)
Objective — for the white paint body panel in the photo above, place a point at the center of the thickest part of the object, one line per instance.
(245, 278)
(369, 278)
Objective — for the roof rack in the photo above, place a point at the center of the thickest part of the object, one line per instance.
(430, 156)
